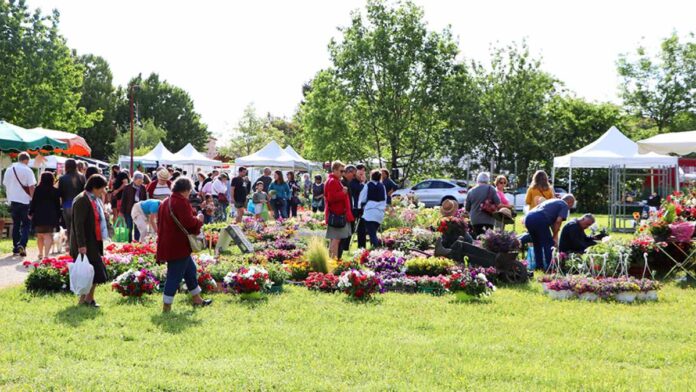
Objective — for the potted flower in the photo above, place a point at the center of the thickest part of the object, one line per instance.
(451, 229)
(502, 242)
(317, 281)
(248, 282)
(134, 283)
(625, 290)
(561, 288)
(648, 290)
(206, 281)
(587, 289)
(660, 230)
(278, 276)
(470, 284)
(359, 284)
(298, 269)
(545, 280)
(433, 285)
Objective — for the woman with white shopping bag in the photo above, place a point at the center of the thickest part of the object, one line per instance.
(88, 232)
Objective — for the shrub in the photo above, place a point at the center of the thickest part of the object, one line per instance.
(45, 280)
(317, 255)
(430, 266)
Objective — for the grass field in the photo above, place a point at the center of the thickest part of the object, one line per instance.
(520, 340)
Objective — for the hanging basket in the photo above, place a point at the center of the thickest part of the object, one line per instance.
(650, 295)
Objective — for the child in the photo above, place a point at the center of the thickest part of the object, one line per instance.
(208, 208)
(260, 198)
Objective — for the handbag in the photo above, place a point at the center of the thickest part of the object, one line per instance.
(197, 243)
(337, 220)
(121, 232)
(488, 206)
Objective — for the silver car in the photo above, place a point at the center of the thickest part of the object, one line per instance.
(434, 191)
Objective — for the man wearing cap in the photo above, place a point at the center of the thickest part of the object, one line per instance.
(544, 223)
(573, 237)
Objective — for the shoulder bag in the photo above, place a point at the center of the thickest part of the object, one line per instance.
(488, 206)
(26, 188)
(197, 243)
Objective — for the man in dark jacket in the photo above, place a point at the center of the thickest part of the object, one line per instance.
(133, 193)
(573, 238)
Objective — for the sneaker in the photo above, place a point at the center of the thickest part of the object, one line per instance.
(22, 251)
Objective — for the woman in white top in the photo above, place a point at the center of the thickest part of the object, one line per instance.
(373, 199)
(160, 189)
(219, 191)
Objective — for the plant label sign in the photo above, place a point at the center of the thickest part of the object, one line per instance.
(234, 233)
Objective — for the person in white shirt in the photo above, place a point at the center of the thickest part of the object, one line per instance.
(19, 182)
(373, 199)
(219, 192)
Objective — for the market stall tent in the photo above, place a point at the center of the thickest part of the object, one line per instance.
(160, 155)
(15, 138)
(271, 155)
(680, 143)
(302, 163)
(190, 156)
(77, 145)
(611, 149)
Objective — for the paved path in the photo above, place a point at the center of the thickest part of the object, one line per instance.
(12, 272)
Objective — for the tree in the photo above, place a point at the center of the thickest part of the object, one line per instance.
(40, 79)
(99, 95)
(145, 137)
(663, 87)
(251, 134)
(169, 107)
(390, 73)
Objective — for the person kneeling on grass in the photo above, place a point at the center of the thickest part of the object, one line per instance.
(573, 237)
(144, 214)
(175, 221)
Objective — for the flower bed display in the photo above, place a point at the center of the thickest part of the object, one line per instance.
(298, 269)
(135, 283)
(434, 285)
(622, 289)
(359, 284)
(471, 283)
(406, 238)
(48, 275)
(430, 266)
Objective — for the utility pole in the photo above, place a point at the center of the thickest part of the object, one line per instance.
(131, 92)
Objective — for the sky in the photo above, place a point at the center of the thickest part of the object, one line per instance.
(228, 54)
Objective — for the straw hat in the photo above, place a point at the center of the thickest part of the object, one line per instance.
(504, 215)
(163, 175)
(449, 208)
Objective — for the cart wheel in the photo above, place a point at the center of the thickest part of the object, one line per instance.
(517, 273)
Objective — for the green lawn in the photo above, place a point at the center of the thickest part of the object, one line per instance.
(6, 245)
(520, 340)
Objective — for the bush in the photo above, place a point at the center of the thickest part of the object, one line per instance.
(45, 280)
(430, 266)
(317, 255)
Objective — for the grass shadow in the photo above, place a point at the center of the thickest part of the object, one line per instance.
(374, 301)
(135, 301)
(175, 322)
(525, 288)
(252, 303)
(75, 315)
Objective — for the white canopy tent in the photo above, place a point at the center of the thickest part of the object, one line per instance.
(680, 143)
(190, 156)
(271, 155)
(303, 163)
(611, 149)
(160, 154)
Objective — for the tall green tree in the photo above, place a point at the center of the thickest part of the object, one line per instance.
(169, 107)
(251, 134)
(391, 73)
(661, 87)
(145, 138)
(40, 78)
(99, 95)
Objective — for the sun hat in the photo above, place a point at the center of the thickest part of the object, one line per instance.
(504, 215)
(163, 175)
(449, 208)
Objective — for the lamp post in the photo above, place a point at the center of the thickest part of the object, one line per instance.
(131, 92)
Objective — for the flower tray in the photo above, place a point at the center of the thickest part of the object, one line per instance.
(561, 294)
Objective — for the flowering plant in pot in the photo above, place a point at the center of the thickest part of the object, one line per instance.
(470, 284)
(134, 283)
(317, 281)
(452, 228)
(625, 289)
(498, 241)
(278, 275)
(586, 288)
(398, 281)
(648, 289)
(360, 284)
(435, 285)
(298, 269)
(659, 229)
(206, 281)
(560, 288)
(430, 266)
(48, 275)
(249, 282)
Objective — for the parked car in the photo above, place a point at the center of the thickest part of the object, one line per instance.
(521, 193)
(435, 191)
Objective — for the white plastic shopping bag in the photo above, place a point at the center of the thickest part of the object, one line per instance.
(81, 275)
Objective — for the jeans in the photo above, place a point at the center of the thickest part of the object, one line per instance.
(180, 269)
(372, 228)
(207, 219)
(291, 210)
(280, 209)
(132, 230)
(361, 231)
(223, 212)
(539, 230)
(20, 225)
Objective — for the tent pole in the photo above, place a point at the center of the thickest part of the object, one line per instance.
(553, 175)
(570, 179)
(652, 182)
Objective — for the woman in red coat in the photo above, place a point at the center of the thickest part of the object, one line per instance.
(173, 245)
(338, 204)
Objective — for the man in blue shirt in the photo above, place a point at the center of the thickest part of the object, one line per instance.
(544, 223)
